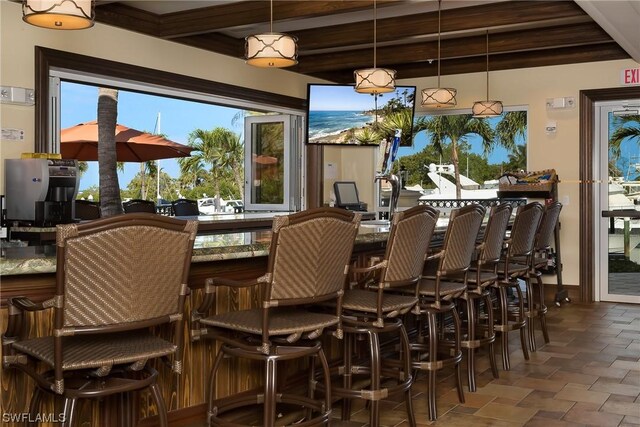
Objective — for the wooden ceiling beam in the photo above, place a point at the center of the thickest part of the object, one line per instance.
(215, 18)
(539, 38)
(608, 51)
(127, 17)
(493, 15)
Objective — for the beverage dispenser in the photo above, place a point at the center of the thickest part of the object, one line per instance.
(41, 192)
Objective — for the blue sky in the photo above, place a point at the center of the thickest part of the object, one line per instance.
(345, 98)
(139, 111)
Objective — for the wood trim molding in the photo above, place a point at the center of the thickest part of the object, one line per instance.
(46, 59)
(588, 98)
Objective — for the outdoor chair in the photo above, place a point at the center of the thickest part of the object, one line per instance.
(372, 308)
(519, 247)
(102, 343)
(308, 265)
(87, 210)
(484, 272)
(185, 207)
(139, 205)
(444, 279)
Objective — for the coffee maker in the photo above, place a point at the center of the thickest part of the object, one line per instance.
(41, 192)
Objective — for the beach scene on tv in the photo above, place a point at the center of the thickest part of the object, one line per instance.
(340, 115)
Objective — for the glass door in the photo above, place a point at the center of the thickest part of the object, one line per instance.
(272, 163)
(619, 194)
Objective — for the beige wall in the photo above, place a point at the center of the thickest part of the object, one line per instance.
(17, 41)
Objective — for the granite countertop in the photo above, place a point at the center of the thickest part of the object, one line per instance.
(211, 247)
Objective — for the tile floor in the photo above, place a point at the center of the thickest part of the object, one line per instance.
(589, 374)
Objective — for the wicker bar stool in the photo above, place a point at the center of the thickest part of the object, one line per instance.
(536, 306)
(483, 274)
(101, 341)
(437, 290)
(308, 265)
(371, 309)
(519, 247)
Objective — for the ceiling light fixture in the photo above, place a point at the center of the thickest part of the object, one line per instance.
(59, 14)
(439, 97)
(271, 49)
(488, 108)
(375, 80)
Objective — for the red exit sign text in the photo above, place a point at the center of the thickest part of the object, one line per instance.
(630, 76)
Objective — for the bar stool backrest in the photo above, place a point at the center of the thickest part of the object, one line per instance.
(524, 229)
(124, 270)
(494, 233)
(185, 207)
(139, 205)
(310, 255)
(409, 239)
(460, 239)
(547, 225)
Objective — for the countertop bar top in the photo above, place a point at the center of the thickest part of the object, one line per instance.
(208, 247)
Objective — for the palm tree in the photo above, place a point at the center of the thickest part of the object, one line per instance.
(455, 128)
(221, 150)
(627, 127)
(512, 125)
(110, 201)
(517, 159)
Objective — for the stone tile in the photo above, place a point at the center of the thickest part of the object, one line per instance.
(538, 384)
(574, 377)
(610, 372)
(506, 412)
(516, 393)
(576, 394)
(633, 378)
(619, 364)
(621, 408)
(545, 401)
(592, 418)
(623, 389)
(539, 421)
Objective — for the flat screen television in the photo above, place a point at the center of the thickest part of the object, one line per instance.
(339, 115)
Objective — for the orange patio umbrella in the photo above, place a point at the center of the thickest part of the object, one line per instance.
(80, 142)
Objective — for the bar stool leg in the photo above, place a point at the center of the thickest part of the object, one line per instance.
(522, 318)
(504, 326)
(458, 350)
(374, 349)
(347, 378)
(159, 401)
(531, 315)
(471, 338)
(269, 409)
(34, 406)
(542, 310)
(406, 349)
(491, 332)
(211, 410)
(433, 358)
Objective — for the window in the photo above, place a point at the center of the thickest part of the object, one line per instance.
(65, 72)
(485, 149)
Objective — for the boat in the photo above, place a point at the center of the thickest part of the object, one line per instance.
(446, 188)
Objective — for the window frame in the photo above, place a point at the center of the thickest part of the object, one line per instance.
(51, 65)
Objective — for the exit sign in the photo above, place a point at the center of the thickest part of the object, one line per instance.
(630, 77)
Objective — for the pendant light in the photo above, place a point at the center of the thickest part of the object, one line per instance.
(58, 14)
(485, 109)
(271, 49)
(375, 80)
(439, 97)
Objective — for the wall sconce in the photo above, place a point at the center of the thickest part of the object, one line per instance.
(59, 14)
